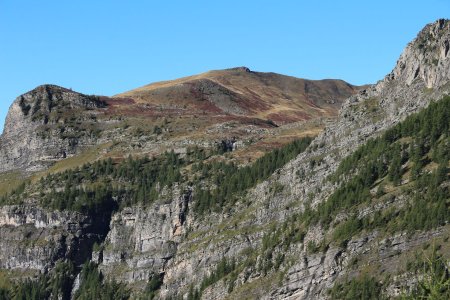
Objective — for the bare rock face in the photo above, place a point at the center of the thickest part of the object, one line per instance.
(33, 239)
(426, 58)
(142, 240)
(36, 130)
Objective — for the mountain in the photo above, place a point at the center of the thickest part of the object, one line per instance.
(51, 123)
(242, 92)
(356, 210)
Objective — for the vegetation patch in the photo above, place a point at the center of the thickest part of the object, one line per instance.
(229, 180)
(9, 182)
(363, 287)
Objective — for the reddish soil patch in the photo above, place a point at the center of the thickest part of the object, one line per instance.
(311, 102)
(268, 146)
(205, 106)
(118, 101)
(253, 102)
(280, 118)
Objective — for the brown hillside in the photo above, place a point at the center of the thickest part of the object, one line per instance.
(241, 92)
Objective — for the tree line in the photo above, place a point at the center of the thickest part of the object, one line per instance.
(225, 181)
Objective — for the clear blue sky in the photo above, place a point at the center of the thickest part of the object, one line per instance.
(107, 47)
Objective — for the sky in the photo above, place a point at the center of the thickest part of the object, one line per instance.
(107, 47)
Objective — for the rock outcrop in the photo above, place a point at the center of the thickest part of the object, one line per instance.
(142, 240)
(33, 239)
(40, 128)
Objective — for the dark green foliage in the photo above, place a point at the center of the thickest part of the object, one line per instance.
(379, 159)
(19, 190)
(225, 146)
(385, 155)
(277, 240)
(230, 180)
(426, 127)
(428, 209)
(346, 197)
(61, 280)
(313, 247)
(363, 287)
(416, 169)
(5, 294)
(55, 285)
(94, 286)
(347, 229)
(435, 278)
(395, 167)
(92, 187)
(79, 199)
(157, 130)
(224, 268)
(194, 294)
(14, 197)
(58, 285)
(153, 285)
(31, 290)
(270, 241)
(364, 169)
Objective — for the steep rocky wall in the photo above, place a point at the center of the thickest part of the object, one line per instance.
(138, 243)
(142, 240)
(370, 113)
(32, 137)
(33, 239)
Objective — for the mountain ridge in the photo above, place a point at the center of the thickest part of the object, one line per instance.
(53, 122)
(242, 80)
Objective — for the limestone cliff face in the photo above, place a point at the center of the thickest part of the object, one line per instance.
(426, 58)
(369, 113)
(34, 239)
(142, 241)
(36, 130)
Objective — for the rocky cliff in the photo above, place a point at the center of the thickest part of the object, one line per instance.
(41, 127)
(283, 238)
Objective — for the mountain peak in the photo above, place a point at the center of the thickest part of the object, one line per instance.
(437, 26)
(37, 104)
(240, 69)
(48, 92)
(426, 58)
(49, 87)
(242, 92)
